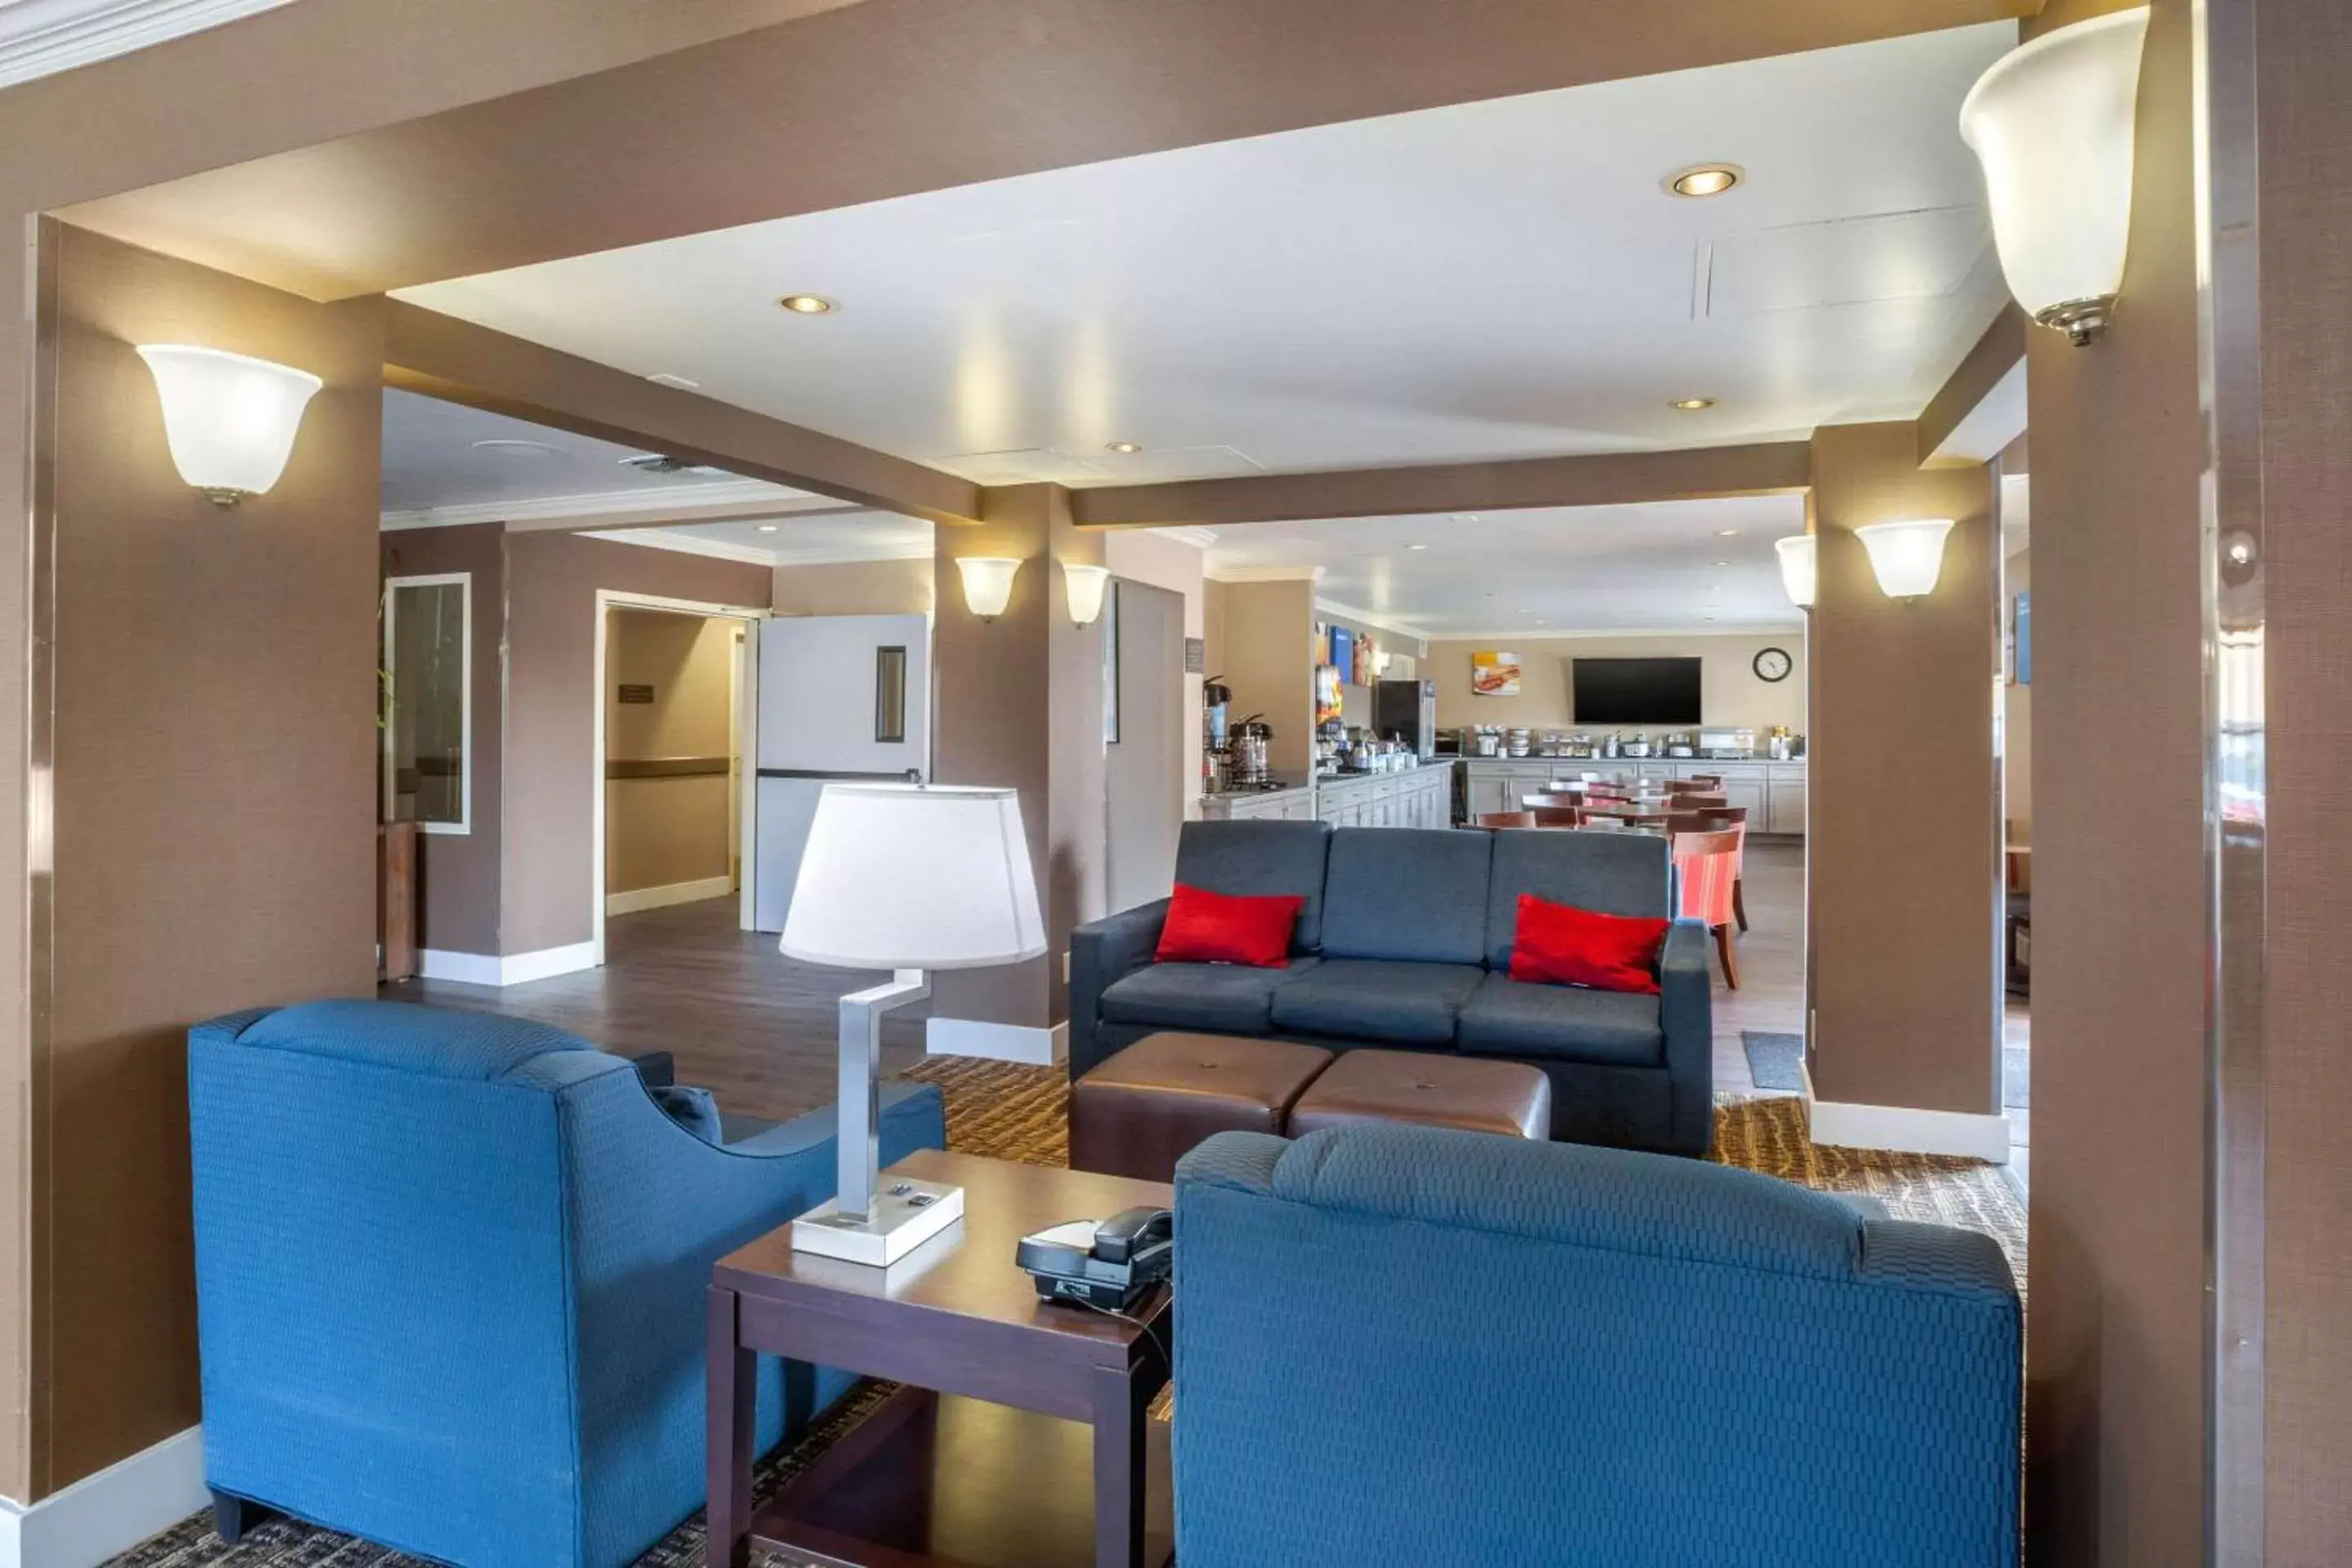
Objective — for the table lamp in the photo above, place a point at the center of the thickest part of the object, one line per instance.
(908, 878)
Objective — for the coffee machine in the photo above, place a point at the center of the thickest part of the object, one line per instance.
(1248, 749)
(1216, 759)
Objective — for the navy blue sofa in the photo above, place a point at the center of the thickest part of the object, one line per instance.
(1414, 1345)
(1404, 942)
(451, 1273)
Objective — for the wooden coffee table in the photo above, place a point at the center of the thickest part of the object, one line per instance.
(975, 1463)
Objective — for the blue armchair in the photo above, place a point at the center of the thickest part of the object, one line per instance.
(1406, 1344)
(450, 1277)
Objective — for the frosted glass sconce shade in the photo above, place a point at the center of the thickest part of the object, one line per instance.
(230, 420)
(987, 583)
(1085, 586)
(1797, 568)
(1906, 557)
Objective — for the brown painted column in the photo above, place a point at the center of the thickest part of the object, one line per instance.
(1019, 701)
(1903, 844)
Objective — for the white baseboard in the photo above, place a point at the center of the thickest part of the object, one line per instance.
(1911, 1131)
(109, 1513)
(635, 898)
(997, 1042)
(512, 969)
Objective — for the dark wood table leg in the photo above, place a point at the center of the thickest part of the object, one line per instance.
(1121, 1407)
(732, 1407)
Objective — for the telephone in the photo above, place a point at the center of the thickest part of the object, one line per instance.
(1109, 1263)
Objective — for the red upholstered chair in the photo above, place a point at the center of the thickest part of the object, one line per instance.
(1554, 815)
(1506, 819)
(1707, 871)
(1684, 818)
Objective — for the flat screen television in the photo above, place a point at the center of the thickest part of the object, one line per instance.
(1636, 690)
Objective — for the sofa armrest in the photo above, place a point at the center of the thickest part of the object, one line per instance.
(1686, 1015)
(1103, 952)
(1941, 1258)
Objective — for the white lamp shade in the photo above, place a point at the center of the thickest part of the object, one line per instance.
(987, 583)
(915, 877)
(1085, 586)
(1906, 557)
(1797, 568)
(230, 420)
(2053, 124)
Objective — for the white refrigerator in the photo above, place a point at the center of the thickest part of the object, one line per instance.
(840, 697)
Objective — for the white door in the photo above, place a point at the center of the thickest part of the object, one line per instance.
(840, 697)
(1143, 751)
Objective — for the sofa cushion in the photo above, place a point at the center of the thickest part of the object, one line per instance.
(1507, 1018)
(1559, 944)
(1259, 858)
(1206, 927)
(440, 1042)
(1610, 873)
(1376, 999)
(1218, 998)
(1418, 894)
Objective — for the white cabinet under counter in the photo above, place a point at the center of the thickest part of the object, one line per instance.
(1416, 798)
(1772, 791)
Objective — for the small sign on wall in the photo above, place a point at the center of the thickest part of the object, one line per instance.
(1493, 674)
(637, 694)
(1196, 656)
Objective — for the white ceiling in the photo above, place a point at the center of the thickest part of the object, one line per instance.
(1496, 279)
(1549, 571)
(811, 540)
(41, 36)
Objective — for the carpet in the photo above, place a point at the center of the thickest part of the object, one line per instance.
(1776, 1061)
(1010, 1111)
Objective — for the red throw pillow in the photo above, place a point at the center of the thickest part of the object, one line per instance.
(1204, 927)
(1559, 944)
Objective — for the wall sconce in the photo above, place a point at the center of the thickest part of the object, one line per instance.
(987, 583)
(1085, 586)
(230, 420)
(2053, 124)
(1906, 557)
(1797, 570)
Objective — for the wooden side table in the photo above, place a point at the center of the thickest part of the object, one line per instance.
(975, 1463)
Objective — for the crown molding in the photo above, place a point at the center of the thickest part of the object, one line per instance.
(613, 503)
(41, 38)
(1516, 636)
(1265, 573)
(851, 555)
(1358, 613)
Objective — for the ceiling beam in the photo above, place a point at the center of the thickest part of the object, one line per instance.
(1980, 407)
(1613, 479)
(458, 361)
(863, 102)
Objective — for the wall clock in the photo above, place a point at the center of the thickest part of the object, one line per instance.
(1773, 664)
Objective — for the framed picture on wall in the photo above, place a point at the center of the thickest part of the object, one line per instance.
(1493, 674)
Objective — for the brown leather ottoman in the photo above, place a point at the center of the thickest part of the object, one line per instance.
(1438, 1091)
(1137, 1113)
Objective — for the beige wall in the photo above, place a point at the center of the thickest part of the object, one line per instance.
(659, 832)
(457, 873)
(1267, 656)
(855, 588)
(214, 839)
(1173, 565)
(1731, 695)
(546, 885)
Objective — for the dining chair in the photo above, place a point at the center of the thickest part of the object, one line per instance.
(1556, 816)
(1706, 867)
(1506, 819)
(1542, 798)
(1702, 781)
(1698, 800)
(1714, 819)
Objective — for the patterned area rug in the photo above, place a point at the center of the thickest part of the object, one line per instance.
(1013, 1112)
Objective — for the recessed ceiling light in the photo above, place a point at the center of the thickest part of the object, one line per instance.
(666, 379)
(1126, 449)
(1416, 547)
(767, 528)
(1719, 562)
(1691, 404)
(1726, 534)
(1706, 180)
(529, 450)
(807, 304)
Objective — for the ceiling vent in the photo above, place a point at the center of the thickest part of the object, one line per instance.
(659, 463)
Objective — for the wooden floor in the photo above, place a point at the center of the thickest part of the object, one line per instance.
(755, 1027)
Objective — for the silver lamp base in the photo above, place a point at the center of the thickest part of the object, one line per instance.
(906, 1214)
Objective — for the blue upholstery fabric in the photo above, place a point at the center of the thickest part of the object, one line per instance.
(1251, 858)
(1653, 1363)
(1371, 999)
(460, 1311)
(1611, 873)
(1418, 894)
(1102, 954)
(1687, 1013)
(1506, 1017)
(1218, 998)
(696, 1110)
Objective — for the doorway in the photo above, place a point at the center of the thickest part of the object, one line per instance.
(673, 687)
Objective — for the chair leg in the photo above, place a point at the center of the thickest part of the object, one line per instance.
(233, 1516)
(1730, 963)
(1740, 902)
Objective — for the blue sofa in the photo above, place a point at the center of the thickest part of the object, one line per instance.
(1404, 942)
(1407, 1344)
(451, 1272)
